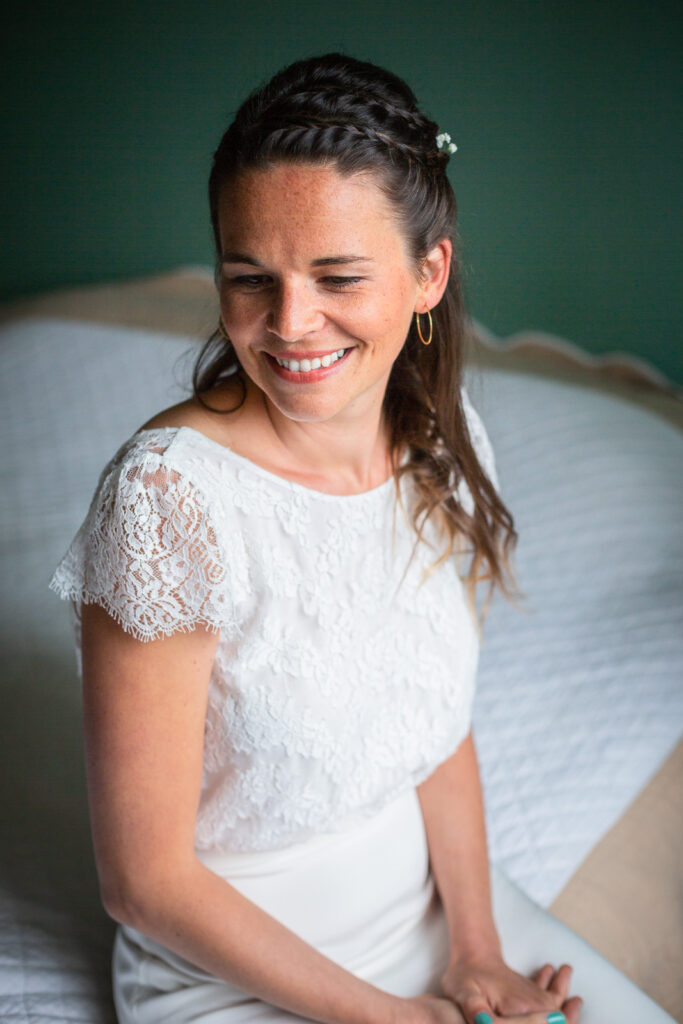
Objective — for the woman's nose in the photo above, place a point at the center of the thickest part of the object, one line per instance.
(294, 312)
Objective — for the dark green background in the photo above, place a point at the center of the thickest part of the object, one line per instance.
(566, 115)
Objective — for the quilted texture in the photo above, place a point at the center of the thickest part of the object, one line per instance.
(579, 698)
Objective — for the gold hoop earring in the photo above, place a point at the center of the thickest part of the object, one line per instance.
(428, 340)
(221, 329)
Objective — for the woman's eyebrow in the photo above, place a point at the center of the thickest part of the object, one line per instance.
(327, 261)
(239, 257)
(324, 261)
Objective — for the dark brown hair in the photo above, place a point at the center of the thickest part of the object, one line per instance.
(357, 117)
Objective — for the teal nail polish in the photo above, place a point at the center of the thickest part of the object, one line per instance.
(483, 1018)
(556, 1018)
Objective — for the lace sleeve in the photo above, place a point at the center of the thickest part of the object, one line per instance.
(148, 552)
(484, 451)
(480, 440)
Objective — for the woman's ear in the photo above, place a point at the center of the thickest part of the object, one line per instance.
(435, 270)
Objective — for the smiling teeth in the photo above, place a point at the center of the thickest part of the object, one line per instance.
(306, 365)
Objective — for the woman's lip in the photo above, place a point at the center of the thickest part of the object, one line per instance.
(310, 376)
(289, 356)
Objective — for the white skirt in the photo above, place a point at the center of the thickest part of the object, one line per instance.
(366, 899)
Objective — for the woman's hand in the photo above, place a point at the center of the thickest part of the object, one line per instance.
(488, 984)
(431, 1009)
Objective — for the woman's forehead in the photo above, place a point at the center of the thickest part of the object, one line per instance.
(300, 178)
(305, 204)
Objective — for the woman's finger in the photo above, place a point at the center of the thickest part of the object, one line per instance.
(544, 975)
(560, 982)
(572, 1008)
(538, 1017)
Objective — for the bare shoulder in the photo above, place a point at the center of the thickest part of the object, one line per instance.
(219, 416)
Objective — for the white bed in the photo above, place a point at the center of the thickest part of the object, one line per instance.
(579, 709)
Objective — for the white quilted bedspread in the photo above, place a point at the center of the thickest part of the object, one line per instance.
(580, 697)
(579, 700)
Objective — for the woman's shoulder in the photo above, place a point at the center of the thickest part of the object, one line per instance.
(218, 415)
(162, 462)
(480, 438)
(230, 417)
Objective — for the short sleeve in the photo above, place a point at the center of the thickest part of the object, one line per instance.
(148, 552)
(483, 448)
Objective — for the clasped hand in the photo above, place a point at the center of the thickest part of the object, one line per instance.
(487, 985)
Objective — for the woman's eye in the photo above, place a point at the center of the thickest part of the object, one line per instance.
(250, 280)
(341, 282)
(254, 281)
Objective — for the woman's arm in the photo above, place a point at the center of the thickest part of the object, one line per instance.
(477, 978)
(453, 811)
(144, 712)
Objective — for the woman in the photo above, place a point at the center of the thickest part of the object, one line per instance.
(285, 800)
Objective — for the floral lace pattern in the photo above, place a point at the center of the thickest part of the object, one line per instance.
(340, 679)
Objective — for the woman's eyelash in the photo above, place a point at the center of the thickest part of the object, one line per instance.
(250, 280)
(259, 280)
(342, 282)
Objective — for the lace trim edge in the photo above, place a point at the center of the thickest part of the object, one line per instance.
(82, 596)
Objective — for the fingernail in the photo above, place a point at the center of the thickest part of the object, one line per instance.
(483, 1018)
(556, 1018)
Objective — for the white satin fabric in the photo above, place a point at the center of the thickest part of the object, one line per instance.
(366, 899)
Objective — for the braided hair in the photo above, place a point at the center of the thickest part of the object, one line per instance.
(357, 117)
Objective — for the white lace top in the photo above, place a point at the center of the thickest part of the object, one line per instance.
(336, 683)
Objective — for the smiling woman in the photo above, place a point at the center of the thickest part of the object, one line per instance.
(301, 309)
(351, 170)
(275, 610)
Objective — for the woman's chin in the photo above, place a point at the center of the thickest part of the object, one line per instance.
(306, 408)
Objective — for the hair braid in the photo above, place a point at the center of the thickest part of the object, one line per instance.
(310, 136)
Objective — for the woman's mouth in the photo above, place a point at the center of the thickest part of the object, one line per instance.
(308, 369)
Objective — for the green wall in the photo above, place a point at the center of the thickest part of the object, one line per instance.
(566, 115)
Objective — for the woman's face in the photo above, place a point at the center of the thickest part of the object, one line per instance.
(317, 288)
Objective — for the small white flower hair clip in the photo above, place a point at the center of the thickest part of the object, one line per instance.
(443, 142)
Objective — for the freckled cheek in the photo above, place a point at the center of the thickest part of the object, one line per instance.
(241, 315)
(396, 315)
(378, 316)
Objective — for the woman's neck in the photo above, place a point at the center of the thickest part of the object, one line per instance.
(348, 454)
